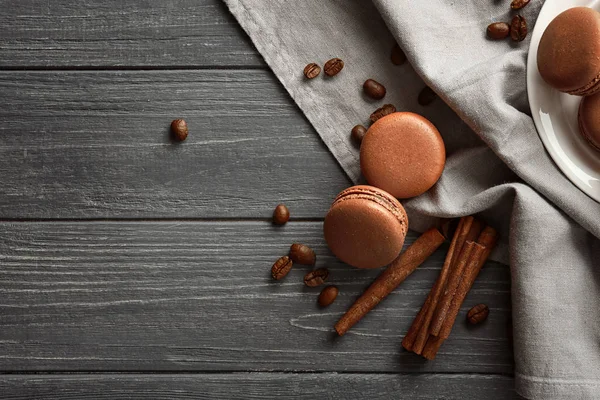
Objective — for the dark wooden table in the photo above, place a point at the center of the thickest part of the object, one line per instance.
(134, 267)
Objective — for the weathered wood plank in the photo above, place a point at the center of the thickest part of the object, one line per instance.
(259, 386)
(64, 33)
(198, 296)
(96, 144)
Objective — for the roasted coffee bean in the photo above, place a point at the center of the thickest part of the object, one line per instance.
(382, 112)
(518, 4)
(498, 30)
(281, 215)
(518, 28)
(316, 277)
(333, 66)
(281, 268)
(311, 71)
(398, 56)
(358, 133)
(328, 295)
(179, 130)
(374, 89)
(478, 314)
(427, 96)
(302, 254)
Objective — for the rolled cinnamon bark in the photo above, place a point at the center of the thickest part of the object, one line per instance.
(487, 241)
(432, 347)
(424, 314)
(389, 279)
(453, 281)
(416, 340)
(462, 233)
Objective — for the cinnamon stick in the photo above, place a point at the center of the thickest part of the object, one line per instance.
(475, 231)
(488, 239)
(427, 309)
(486, 243)
(434, 296)
(411, 336)
(389, 279)
(453, 281)
(462, 236)
(432, 347)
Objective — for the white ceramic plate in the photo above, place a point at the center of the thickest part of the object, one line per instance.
(555, 113)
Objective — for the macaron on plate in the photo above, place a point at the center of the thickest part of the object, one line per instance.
(554, 111)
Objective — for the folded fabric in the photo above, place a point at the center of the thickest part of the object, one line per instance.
(496, 163)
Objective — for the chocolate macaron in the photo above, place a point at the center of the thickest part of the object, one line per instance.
(403, 154)
(589, 120)
(569, 52)
(365, 227)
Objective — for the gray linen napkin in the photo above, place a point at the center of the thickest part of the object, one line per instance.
(496, 162)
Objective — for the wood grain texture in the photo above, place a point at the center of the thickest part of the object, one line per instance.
(259, 386)
(115, 33)
(137, 296)
(96, 145)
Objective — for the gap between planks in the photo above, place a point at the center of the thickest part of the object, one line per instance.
(102, 68)
(155, 220)
(78, 372)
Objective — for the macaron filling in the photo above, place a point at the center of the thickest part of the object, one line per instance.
(588, 89)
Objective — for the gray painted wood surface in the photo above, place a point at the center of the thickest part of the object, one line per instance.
(160, 261)
(80, 144)
(199, 296)
(259, 386)
(115, 33)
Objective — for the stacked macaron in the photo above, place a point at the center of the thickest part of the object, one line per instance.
(366, 227)
(402, 155)
(569, 60)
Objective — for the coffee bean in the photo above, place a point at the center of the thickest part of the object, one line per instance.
(179, 130)
(328, 295)
(518, 4)
(478, 314)
(302, 254)
(498, 30)
(374, 89)
(333, 66)
(427, 96)
(398, 56)
(281, 215)
(382, 112)
(316, 277)
(358, 133)
(281, 268)
(311, 71)
(518, 28)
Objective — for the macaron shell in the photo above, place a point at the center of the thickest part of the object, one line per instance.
(379, 196)
(569, 51)
(589, 120)
(363, 233)
(402, 153)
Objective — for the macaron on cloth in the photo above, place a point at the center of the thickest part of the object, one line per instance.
(402, 153)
